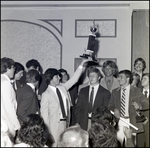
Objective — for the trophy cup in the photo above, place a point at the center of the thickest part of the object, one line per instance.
(139, 117)
(89, 52)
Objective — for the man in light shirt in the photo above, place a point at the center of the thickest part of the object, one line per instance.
(8, 98)
(55, 108)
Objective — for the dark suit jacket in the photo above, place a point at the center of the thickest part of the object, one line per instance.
(136, 95)
(145, 111)
(81, 113)
(27, 102)
(42, 86)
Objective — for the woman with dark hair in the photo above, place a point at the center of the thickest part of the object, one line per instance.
(33, 133)
(136, 79)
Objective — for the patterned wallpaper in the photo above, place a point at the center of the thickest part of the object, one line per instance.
(27, 40)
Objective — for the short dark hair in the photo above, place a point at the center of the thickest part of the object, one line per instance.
(32, 76)
(18, 67)
(94, 69)
(128, 74)
(35, 64)
(138, 78)
(62, 70)
(6, 63)
(113, 65)
(33, 131)
(102, 134)
(103, 114)
(50, 73)
(141, 60)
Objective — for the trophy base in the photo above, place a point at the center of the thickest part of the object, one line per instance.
(86, 56)
(140, 118)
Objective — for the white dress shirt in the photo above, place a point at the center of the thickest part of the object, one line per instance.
(63, 97)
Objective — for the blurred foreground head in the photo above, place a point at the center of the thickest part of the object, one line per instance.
(73, 136)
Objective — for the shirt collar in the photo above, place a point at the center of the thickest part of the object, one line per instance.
(145, 90)
(127, 87)
(52, 87)
(32, 86)
(6, 77)
(95, 87)
(12, 81)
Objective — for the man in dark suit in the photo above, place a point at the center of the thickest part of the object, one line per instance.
(145, 106)
(127, 110)
(27, 102)
(34, 64)
(86, 104)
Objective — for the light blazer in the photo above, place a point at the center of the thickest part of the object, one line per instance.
(81, 113)
(27, 102)
(136, 95)
(50, 109)
(50, 106)
(8, 105)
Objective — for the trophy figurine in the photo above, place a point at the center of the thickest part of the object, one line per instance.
(89, 52)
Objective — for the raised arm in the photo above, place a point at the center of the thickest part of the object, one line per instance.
(76, 75)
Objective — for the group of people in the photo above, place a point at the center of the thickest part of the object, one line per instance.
(51, 109)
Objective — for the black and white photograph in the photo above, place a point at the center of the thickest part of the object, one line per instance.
(75, 74)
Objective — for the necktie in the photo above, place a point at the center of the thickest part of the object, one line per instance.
(68, 113)
(13, 85)
(122, 109)
(61, 103)
(145, 93)
(91, 100)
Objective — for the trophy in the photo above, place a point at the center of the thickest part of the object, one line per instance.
(140, 117)
(89, 52)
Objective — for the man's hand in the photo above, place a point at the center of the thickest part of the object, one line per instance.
(116, 113)
(127, 131)
(136, 106)
(85, 61)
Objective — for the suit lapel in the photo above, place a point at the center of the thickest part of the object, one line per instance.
(118, 95)
(53, 95)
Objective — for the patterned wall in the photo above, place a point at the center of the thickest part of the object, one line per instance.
(27, 40)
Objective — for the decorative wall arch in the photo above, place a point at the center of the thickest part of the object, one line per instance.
(28, 37)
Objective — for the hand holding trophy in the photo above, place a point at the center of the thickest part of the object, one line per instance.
(89, 52)
(140, 117)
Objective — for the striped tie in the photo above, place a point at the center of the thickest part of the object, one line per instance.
(122, 109)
